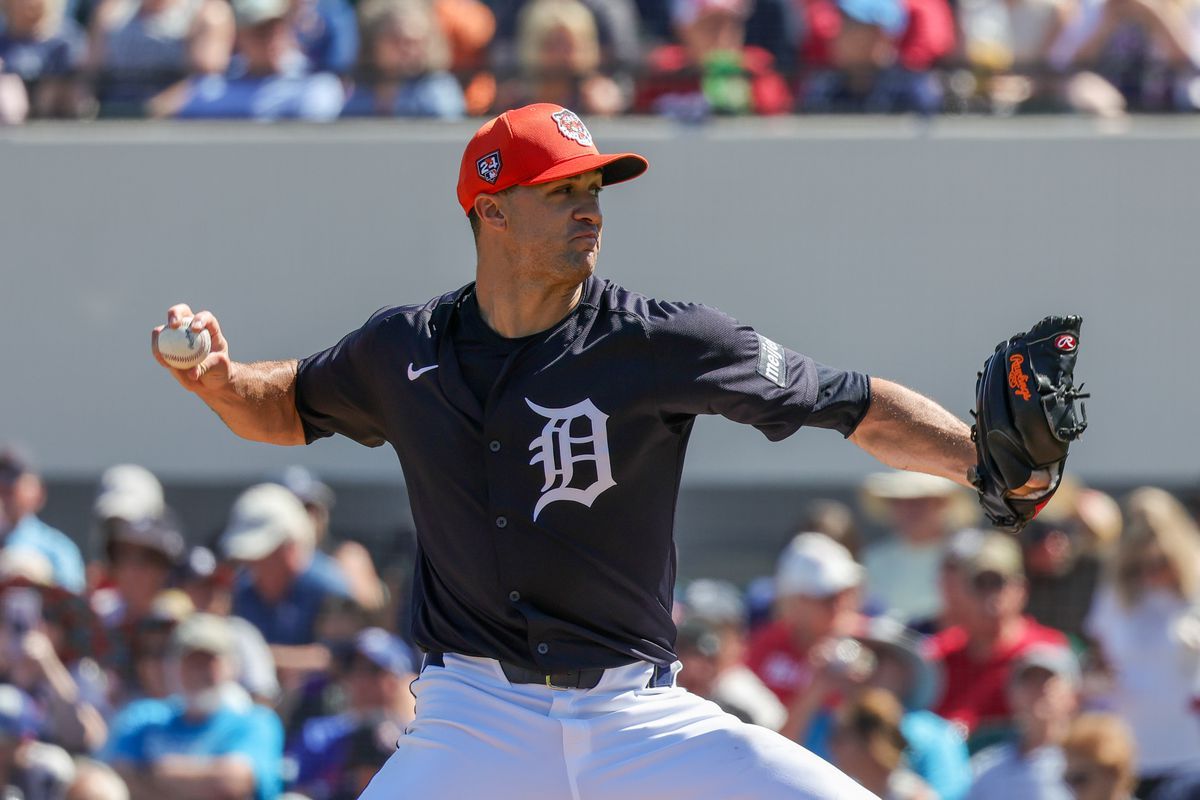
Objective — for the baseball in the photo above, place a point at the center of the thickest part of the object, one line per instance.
(182, 347)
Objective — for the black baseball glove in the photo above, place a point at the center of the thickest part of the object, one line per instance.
(1026, 414)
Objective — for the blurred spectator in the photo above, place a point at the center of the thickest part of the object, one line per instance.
(1144, 49)
(714, 635)
(142, 47)
(1011, 43)
(558, 55)
(876, 55)
(29, 769)
(869, 747)
(469, 26)
(836, 521)
(268, 81)
(30, 663)
(884, 654)
(44, 49)
(376, 683)
(282, 589)
(1043, 691)
(95, 780)
(209, 586)
(712, 70)
(209, 740)
(327, 34)
(1100, 758)
(22, 496)
(146, 675)
(921, 511)
(816, 603)
(977, 654)
(616, 25)
(402, 74)
(1147, 628)
(350, 557)
(1064, 549)
(127, 493)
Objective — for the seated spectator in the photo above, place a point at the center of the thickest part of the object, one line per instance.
(1011, 43)
(44, 48)
(816, 585)
(1063, 550)
(29, 769)
(327, 34)
(22, 496)
(403, 70)
(379, 669)
(920, 511)
(558, 54)
(1144, 49)
(280, 591)
(206, 741)
(269, 79)
(1143, 622)
(869, 747)
(208, 584)
(978, 653)
(713, 635)
(712, 70)
(149, 647)
(934, 751)
(1101, 758)
(616, 25)
(141, 47)
(469, 26)
(1043, 692)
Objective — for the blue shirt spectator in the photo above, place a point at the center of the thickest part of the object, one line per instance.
(285, 582)
(209, 734)
(22, 495)
(435, 95)
(327, 33)
(34, 57)
(1004, 772)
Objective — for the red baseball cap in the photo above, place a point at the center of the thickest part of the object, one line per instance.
(535, 144)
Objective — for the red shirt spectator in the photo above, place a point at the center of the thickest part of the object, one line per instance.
(929, 35)
(975, 692)
(779, 662)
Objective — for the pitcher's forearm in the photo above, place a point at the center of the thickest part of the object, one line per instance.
(259, 402)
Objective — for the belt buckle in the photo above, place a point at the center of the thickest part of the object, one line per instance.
(551, 685)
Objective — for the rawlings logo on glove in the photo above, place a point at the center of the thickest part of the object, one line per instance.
(1027, 412)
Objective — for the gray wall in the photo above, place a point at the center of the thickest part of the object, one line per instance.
(887, 246)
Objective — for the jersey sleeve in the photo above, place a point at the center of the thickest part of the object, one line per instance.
(709, 363)
(336, 391)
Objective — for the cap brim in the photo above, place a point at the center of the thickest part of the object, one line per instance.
(250, 544)
(616, 168)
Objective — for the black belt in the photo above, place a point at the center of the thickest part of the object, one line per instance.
(586, 678)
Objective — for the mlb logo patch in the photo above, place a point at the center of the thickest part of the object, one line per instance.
(488, 167)
(572, 127)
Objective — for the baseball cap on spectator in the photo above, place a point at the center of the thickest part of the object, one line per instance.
(384, 650)
(160, 534)
(262, 519)
(686, 12)
(205, 633)
(14, 462)
(249, 13)
(816, 566)
(717, 602)
(18, 713)
(169, 607)
(1052, 658)
(129, 492)
(881, 487)
(925, 678)
(305, 485)
(961, 546)
(997, 553)
(537, 143)
(890, 15)
(24, 564)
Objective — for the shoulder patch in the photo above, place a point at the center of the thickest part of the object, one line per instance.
(772, 364)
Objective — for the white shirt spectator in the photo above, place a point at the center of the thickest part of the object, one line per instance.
(1002, 772)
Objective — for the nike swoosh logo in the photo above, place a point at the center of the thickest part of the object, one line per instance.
(413, 374)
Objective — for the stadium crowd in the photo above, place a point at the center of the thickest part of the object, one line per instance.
(688, 59)
(939, 660)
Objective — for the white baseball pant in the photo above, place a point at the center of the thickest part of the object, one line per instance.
(478, 736)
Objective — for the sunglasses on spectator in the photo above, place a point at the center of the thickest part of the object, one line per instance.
(1079, 778)
(988, 582)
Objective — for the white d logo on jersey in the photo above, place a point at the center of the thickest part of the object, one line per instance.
(555, 450)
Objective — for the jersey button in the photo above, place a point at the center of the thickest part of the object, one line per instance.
(543, 648)
(501, 522)
(494, 446)
(514, 596)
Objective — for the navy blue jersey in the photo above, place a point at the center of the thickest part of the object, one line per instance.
(544, 513)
